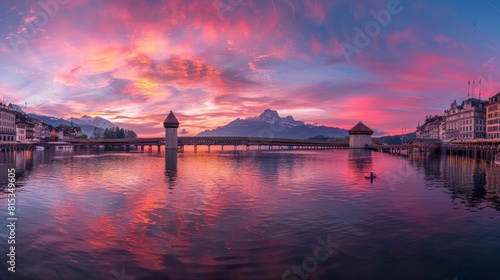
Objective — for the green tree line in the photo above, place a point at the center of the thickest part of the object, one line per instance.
(114, 133)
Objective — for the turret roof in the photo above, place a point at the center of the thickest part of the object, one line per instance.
(171, 119)
(360, 128)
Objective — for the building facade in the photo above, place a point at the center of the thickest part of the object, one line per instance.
(21, 132)
(433, 128)
(7, 123)
(42, 131)
(466, 121)
(68, 132)
(493, 117)
(26, 126)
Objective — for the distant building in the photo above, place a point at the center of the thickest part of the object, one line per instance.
(433, 128)
(42, 131)
(493, 117)
(68, 132)
(7, 123)
(53, 136)
(360, 136)
(466, 121)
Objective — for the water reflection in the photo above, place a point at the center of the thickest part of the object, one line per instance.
(251, 215)
(360, 160)
(22, 161)
(469, 180)
(171, 166)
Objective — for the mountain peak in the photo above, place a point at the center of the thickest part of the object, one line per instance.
(95, 121)
(269, 116)
(279, 127)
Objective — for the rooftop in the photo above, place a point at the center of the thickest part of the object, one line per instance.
(360, 128)
(171, 121)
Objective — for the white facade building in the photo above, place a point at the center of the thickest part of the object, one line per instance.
(21, 132)
(433, 128)
(466, 121)
(7, 124)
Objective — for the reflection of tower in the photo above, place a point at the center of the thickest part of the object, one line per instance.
(171, 124)
(360, 160)
(171, 165)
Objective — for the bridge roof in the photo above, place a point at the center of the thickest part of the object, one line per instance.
(360, 128)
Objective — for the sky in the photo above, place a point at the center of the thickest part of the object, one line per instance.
(387, 63)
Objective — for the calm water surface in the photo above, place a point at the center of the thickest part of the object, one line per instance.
(251, 215)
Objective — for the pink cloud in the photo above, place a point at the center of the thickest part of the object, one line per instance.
(400, 37)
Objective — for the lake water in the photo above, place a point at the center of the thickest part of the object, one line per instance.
(300, 214)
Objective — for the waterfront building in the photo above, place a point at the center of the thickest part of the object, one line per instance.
(42, 131)
(433, 128)
(26, 126)
(21, 132)
(68, 132)
(7, 123)
(360, 136)
(493, 117)
(53, 136)
(466, 121)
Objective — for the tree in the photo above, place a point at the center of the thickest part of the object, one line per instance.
(117, 132)
(98, 132)
(131, 134)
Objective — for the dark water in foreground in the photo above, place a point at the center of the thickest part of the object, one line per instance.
(251, 215)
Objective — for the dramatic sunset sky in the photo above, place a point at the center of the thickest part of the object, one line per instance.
(213, 61)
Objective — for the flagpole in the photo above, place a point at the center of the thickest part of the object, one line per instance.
(472, 88)
(479, 90)
(468, 89)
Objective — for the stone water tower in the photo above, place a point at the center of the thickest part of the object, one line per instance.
(360, 136)
(171, 125)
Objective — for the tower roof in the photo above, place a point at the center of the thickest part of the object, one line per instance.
(171, 121)
(360, 128)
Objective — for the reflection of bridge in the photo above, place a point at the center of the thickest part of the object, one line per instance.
(405, 149)
(279, 143)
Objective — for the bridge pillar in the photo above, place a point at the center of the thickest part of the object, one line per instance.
(209, 148)
(195, 148)
(222, 147)
(171, 124)
(142, 147)
(127, 148)
(159, 146)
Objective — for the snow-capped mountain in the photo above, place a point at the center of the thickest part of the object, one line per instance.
(95, 121)
(271, 116)
(270, 124)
